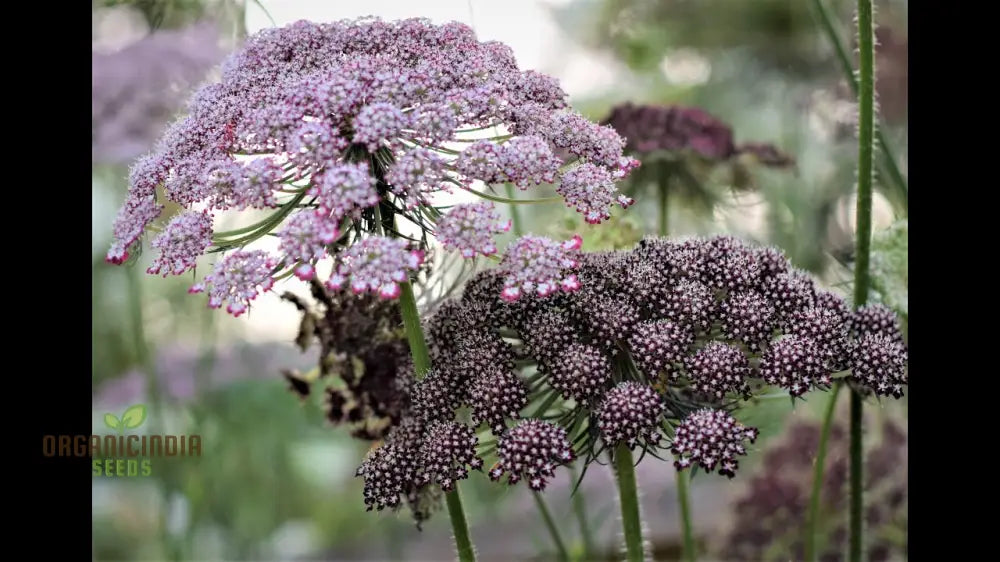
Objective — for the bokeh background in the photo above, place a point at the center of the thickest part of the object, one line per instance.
(275, 481)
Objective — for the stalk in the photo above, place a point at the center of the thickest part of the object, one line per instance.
(689, 552)
(891, 168)
(580, 508)
(515, 213)
(553, 529)
(629, 498)
(421, 363)
(866, 128)
(820, 467)
(664, 209)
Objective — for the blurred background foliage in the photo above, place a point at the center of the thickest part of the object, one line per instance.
(277, 482)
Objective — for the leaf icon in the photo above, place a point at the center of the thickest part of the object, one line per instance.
(111, 421)
(134, 416)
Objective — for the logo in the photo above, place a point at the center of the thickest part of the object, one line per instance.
(122, 454)
(131, 419)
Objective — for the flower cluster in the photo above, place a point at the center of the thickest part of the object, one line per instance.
(666, 339)
(774, 506)
(711, 438)
(348, 124)
(650, 128)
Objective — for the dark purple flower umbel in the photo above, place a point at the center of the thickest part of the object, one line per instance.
(532, 450)
(650, 128)
(339, 127)
(711, 438)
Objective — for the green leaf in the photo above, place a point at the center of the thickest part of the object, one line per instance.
(134, 416)
(111, 421)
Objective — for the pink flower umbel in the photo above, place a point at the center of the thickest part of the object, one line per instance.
(539, 264)
(591, 191)
(344, 189)
(360, 120)
(469, 228)
(378, 265)
(237, 279)
(305, 239)
(180, 244)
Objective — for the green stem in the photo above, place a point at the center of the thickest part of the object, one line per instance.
(866, 127)
(818, 469)
(689, 553)
(857, 503)
(463, 543)
(629, 498)
(553, 530)
(891, 168)
(580, 508)
(421, 364)
(515, 214)
(414, 333)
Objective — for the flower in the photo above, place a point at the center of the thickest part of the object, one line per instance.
(711, 438)
(875, 319)
(181, 242)
(630, 411)
(532, 449)
(352, 118)
(237, 279)
(469, 228)
(377, 264)
(718, 368)
(447, 449)
(580, 372)
(591, 190)
(657, 345)
(496, 396)
(878, 361)
(304, 240)
(538, 264)
(794, 363)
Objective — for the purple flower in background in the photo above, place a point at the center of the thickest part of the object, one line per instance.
(136, 90)
(650, 128)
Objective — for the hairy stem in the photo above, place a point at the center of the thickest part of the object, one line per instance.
(891, 168)
(857, 501)
(421, 364)
(866, 127)
(553, 529)
(579, 506)
(629, 498)
(818, 469)
(414, 332)
(687, 529)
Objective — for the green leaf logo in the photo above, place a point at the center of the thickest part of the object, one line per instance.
(133, 417)
(111, 421)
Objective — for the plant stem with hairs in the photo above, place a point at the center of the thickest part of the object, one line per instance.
(551, 525)
(866, 128)
(629, 497)
(579, 506)
(820, 467)
(689, 553)
(888, 160)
